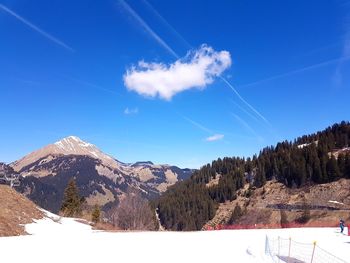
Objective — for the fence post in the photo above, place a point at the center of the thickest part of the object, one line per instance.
(290, 244)
(313, 252)
(279, 249)
(267, 246)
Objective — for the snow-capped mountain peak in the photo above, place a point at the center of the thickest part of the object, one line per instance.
(73, 157)
(71, 145)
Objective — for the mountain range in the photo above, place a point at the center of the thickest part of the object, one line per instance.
(101, 179)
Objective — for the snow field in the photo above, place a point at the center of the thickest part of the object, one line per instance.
(66, 240)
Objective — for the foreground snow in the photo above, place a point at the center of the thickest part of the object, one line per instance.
(65, 240)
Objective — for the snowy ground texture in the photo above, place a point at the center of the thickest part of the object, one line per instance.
(65, 240)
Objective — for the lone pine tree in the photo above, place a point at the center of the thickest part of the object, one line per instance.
(71, 205)
(96, 214)
(236, 214)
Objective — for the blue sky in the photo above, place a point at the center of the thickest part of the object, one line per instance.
(178, 82)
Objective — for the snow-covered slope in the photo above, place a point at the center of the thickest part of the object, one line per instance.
(55, 239)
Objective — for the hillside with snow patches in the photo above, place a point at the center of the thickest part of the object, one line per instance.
(71, 145)
(78, 242)
(47, 237)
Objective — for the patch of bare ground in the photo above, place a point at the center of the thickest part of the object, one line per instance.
(106, 227)
(327, 202)
(15, 211)
(214, 181)
(85, 218)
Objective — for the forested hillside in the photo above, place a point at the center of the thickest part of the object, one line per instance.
(312, 159)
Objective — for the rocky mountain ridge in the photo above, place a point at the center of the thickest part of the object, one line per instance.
(101, 179)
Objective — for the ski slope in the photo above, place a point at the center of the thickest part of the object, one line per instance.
(65, 240)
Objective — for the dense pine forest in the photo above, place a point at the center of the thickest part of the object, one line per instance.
(311, 159)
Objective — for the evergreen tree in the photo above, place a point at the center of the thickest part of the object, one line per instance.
(260, 177)
(324, 161)
(275, 170)
(332, 169)
(341, 164)
(284, 219)
(71, 205)
(96, 214)
(347, 166)
(236, 214)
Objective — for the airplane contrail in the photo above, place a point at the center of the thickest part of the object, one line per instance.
(247, 126)
(189, 45)
(35, 28)
(86, 83)
(300, 70)
(244, 110)
(178, 35)
(167, 47)
(244, 101)
(196, 124)
(148, 28)
(338, 76)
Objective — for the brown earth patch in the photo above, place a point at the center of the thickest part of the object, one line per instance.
(15, 211)
(106, 227)
(262, 205)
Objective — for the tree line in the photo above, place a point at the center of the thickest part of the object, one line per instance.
(321, 157)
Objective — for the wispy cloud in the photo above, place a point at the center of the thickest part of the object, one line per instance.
(152, 33)
(338, 74)
(247, 127)
(244, 110)
(245, 102)
(35, 28)
(196, 70)
(199, 126)
(182, 39)
(215, 137)
(29, 82)
(147, 28)
(167, 25)
(211, 138)
(337, 77)
(131, 111)
(300, 70)
(92, 85)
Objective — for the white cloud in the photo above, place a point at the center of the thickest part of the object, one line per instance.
(163, 43)
(196, 70)
(128, 111)
(215, 137)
